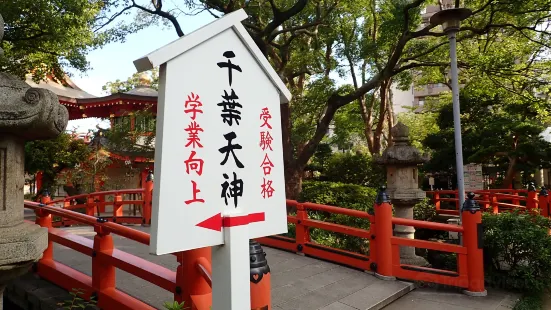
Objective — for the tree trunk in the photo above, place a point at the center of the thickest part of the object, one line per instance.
(293, 181)
(390, 114)
(377, 139)
(510, 172)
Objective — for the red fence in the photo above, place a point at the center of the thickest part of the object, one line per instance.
(95, 205)
(191, 281)
(493, 200)
(105, 258)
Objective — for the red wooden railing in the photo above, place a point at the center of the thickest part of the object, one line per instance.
(191, 281)
(96, 204)
(105, 258)
(493, 200)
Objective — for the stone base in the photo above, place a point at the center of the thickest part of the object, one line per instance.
(23, 242)
(30, 292)
(385, 278)
(414, 260)
(10, 272)
(476, 294)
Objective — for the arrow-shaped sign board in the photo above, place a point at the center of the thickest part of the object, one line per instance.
(218, 138)
(216, 222)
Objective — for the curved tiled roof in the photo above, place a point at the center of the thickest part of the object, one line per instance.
(70, 90)
(83, 105)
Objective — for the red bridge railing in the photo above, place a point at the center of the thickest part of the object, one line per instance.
(191, 281)
(105, 258)
(493, 200)
(95, 205)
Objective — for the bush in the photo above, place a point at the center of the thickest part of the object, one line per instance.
(530, 302)
(424, 210)
(348, 196)
(517, 251)
(354, 168)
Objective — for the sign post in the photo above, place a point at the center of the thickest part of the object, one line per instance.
(218, 158)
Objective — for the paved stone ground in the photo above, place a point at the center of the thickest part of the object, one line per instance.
(451, 299)
(298, 282)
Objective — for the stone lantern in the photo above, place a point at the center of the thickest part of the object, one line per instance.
(25, 114)
(401, 161)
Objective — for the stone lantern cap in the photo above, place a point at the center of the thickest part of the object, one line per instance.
(402, 152)
(29, 113)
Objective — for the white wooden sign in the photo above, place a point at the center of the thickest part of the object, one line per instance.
(473, 178)
(218, 144)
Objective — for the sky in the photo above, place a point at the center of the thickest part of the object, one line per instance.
(115, 60)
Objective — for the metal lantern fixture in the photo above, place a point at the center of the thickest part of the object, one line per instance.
(450, 19)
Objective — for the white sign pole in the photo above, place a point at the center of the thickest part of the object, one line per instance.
(231, 269)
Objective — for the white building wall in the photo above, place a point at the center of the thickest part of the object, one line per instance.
(402, 99)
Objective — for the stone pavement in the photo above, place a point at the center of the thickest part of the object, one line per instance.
(452, 299)
(298, 282)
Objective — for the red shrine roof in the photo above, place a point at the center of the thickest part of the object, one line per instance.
(81, 104)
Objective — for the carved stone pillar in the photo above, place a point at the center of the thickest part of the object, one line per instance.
(25, 114)
(401, 161)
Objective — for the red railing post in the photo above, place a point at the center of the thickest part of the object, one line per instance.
(473, 234)
(191, 287)
(90, 205)
(44, 219)
(117, 206)
(436, 200)
(383, 236)
(495, 206)
(147, 200)
(103, 275)
(487, 201)
(45, 199)
(302, 233)
(543, 202)
(102, 204)
(516, 201)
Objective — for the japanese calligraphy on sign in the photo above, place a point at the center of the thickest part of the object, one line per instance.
(218, 142)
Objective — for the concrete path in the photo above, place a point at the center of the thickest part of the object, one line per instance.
(451, 299)
(298, 282)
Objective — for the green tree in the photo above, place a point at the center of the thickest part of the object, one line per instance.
(383, 40)
(420, 126)
(497, 129)
(54, 155)
(132, 82)
(45, 37)
(133, 142)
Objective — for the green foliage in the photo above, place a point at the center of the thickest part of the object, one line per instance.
(517, 251)
(311, 43)
(77, 302)
(46, 37)
(530, 302)
(424, 210)
(54, 155)
(321, 158)
(497, 129)
(420, 126)
(137, 141)
(354, 168)
(132, 82)
(174, 305)
(345, 196)
(348, 131)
